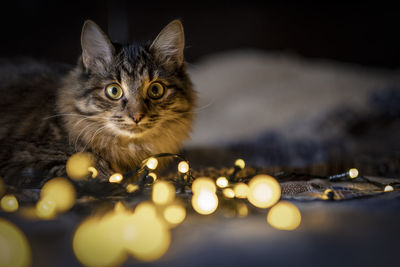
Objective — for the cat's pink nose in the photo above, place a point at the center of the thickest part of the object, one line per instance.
(137, 117)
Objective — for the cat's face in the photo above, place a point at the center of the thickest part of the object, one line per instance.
(131, 92)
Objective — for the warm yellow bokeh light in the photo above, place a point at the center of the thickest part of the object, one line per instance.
(204, 202)
(353, 173)
(222, 182)
(183, 167)
(9, 203)
(240, 163)
(93, 171)
(61, 191)
(152, 163)
(388, 188)
(78, 165)
(174, 214)
(130, 188)
(228, 193)
(264, 191)
(116, 178)
(241, 190)
(242, 210)
(284, 216)
(203, 183)
(163, 192)
(14, 247)
(96, 244)
(46, 209)
(146, 239)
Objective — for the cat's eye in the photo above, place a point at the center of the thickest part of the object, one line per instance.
(114, 91)
(156, 90)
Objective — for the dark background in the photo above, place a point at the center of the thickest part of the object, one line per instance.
(360, 32)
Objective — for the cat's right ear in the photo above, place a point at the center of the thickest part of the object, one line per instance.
(97, 50)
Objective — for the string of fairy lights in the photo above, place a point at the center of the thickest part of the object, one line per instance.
(144, 231)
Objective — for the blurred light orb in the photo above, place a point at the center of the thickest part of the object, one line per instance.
(240, 163)
(152, 163)
(78, 165)
(228, 193)
(9, 203)
(183, 167)
(353, 173)
(264, 191)
(46, 209)
(205, 202)
(94, 245)
(174, 214)
(130, 188)
(388, 188)
(242, 210)
(241, 190)
(203, 183)
(284, 216)
(147, 238)
(93, 171)
(163, 192)
(222, 182)
(14, 247)
(61, 191)
(116, 178)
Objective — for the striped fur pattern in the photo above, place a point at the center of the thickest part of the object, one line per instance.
(49, 113)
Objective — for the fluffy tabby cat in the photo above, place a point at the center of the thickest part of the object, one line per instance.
(121, 102)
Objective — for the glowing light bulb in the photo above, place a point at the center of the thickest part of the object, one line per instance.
(130, 188)
(222, 182)
(152, 163)
(242, 210)
(14, 247)
(241, 190)
(353, 173)
(174, 214)
(78, 165)
(9, 203)
(46, 209)
(203, 183)
(163, 192)
(228, 193)
(284, 216)
(61, 192)
(264, 191)
(204, 202)
(183, 167)
(93, 171)
(240, 163)
(116, 178)
(388, 188)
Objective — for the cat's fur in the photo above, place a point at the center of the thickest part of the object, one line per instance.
(46, 116)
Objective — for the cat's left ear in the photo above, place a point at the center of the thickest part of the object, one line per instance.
(169, 43)
(97, 50)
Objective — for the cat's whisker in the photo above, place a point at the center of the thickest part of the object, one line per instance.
(97, 132)
(77, 138)
(198, 110)
(59, 115)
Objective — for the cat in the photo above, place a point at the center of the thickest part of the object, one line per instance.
(122, 103)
